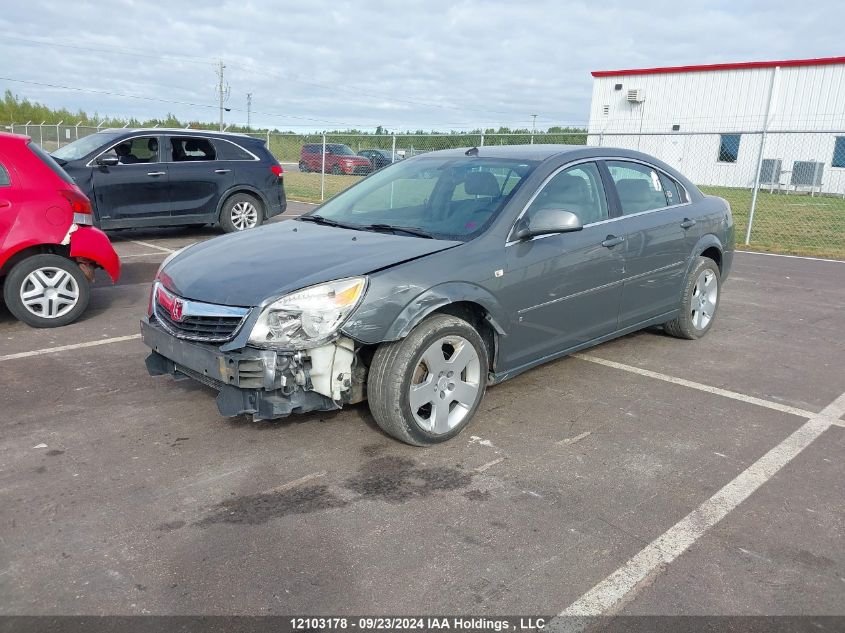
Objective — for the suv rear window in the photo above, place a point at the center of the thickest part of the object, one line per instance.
(48, 160)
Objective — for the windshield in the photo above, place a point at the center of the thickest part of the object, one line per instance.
(340, 150)
(85, 145)
(452, 198)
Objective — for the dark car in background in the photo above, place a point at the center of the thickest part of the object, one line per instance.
(169, 177)
(437, 276)
(339, 159)
(380, 158)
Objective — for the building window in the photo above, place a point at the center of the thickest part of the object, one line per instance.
(676, 128)
(617, 87)
(838, 152)
(728, 148)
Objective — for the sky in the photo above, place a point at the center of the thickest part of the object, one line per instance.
(404, 65)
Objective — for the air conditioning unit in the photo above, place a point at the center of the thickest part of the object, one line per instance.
(636, 96)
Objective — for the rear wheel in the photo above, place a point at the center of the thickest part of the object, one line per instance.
(303, 167)
(336, 170)
(241, 212)
(425, 388)
(699, 301)
(46, 291)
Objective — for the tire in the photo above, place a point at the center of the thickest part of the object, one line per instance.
(398, 366)
(42, 285)
(698, 312)
(303, 167)
(241, 212)
(336, 170)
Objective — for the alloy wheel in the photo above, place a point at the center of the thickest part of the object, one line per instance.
(445, 384)
(244, 215)
(704, 296)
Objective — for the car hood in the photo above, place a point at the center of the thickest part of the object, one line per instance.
(244, 269)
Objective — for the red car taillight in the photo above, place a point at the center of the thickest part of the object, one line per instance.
(79, 202)
(277, 170)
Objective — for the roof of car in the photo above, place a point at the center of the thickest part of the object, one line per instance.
(170, 130)
(527, 152)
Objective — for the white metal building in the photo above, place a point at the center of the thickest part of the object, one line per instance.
(710, 121)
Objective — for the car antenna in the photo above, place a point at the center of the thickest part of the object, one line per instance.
(472, 151)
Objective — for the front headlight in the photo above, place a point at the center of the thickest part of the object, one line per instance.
(308, 317)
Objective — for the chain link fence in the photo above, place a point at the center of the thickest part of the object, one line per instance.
(786, 187)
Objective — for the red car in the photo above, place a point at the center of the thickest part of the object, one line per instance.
(49, 247)
(340, 159)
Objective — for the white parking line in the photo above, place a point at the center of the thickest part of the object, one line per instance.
(813, 259)
(611, 592)
(149, 245)
(63, 348)
(760, 402)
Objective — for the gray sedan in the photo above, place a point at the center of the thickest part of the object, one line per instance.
(437, 277)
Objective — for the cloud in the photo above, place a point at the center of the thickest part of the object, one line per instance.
(431, 64)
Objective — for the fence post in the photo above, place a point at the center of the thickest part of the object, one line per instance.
(323, 170)
(482, 141)
(775, 72)
(58, 136)
(393, 149)
(268, 138)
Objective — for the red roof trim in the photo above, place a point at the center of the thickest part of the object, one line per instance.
(821, 61)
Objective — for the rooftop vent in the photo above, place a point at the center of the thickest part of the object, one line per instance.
(636, 96)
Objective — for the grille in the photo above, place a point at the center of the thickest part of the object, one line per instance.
(208, 327)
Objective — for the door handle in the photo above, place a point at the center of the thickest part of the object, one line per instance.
(5, 203)
(687, 223)
(611, 241)
(156, 173)
(222, 171)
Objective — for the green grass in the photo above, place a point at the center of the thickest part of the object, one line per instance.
(306, 187)
(797, 224)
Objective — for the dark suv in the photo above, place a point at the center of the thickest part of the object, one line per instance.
(156, 177)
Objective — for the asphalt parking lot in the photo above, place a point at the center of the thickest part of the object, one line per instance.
(646, 476)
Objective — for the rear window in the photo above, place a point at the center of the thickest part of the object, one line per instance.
(48, 160)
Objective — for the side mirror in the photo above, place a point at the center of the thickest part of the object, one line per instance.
(547, 221)
(108, 161)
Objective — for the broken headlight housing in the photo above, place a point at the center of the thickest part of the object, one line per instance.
(308, 317)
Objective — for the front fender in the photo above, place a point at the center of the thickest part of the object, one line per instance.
(420, 307)
(89, 243)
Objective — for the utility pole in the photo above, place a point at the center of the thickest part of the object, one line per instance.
(248, 110)
(533, 127)
(223, 90)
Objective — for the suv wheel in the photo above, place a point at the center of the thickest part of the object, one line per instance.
(46, 291)
(303, 167)
(241, 212)
(425, 388)
(699, 301)
(336, 170)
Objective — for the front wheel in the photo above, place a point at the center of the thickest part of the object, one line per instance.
(699, 301)
(241, 212)
(425, 388)
(46, 291)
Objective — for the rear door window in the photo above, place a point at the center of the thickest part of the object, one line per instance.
(639, 186)
(189, 149)
(5, 181)
(672, 189)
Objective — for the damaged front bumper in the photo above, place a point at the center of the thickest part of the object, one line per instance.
(263, 383)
